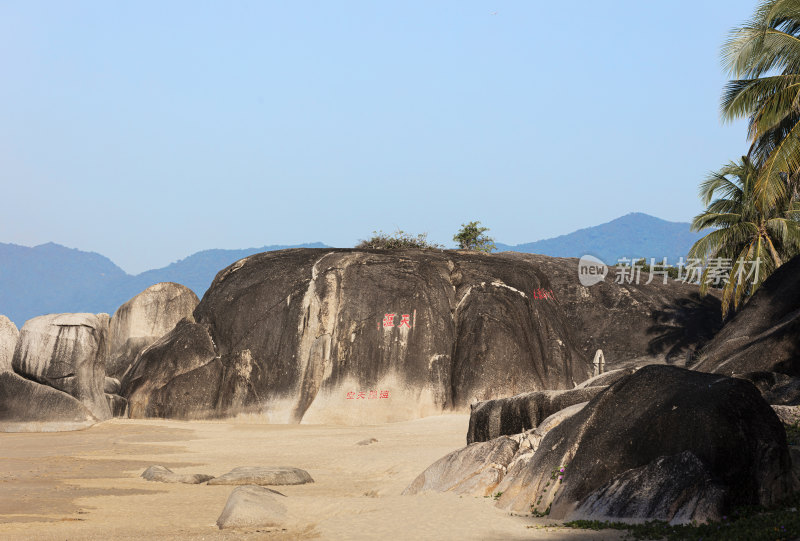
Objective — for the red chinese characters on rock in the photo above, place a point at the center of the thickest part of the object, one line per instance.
(406, 320)
(540, 293)
(373, 395)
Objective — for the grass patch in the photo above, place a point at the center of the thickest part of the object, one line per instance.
(536, 513)
(754, 523)
(792, 433)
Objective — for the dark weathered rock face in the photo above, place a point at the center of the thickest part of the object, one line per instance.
(29, 406)
(67, 352)
(608, 378)
(765, 335)
(144, 319)
(632, 323)
(178, 376)
(676, 488)
(366, 336)
(296, 331)
(778, 389)
(506, 416)
(117, 404)
(112, 386)
(659, 411)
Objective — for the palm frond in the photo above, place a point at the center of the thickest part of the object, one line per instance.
(718, 183)
(723, 240)
(767, 42)
(783, 158)
(746, 97)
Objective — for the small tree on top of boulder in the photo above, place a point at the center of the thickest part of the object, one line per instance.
(471, 237)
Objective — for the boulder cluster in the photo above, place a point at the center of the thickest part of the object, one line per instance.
(317, 334)
(54, 372)
(687, 423)
(659, 442)
(251, 503)
(662, 443)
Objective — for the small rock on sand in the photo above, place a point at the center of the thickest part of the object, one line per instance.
(257, 475)
(252, 506)
(165, 475)
(367, 442)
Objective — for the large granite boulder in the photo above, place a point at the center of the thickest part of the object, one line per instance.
(310, 332)
(671, 428)
(144, 319)
(8, 341)
(370, 335)
(67, 352)
(764, 336)
(493, 418)
(26, 405)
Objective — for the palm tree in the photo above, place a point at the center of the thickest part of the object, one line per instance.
(748, 228)
(763, 56)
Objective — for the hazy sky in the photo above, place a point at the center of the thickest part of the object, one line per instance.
(147, 131)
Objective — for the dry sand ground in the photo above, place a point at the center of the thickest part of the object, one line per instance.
(86, 484)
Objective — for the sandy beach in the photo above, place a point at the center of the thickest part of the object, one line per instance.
(86, 484)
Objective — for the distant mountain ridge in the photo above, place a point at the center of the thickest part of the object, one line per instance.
(50, 278)
(632, 236)
(198, 270)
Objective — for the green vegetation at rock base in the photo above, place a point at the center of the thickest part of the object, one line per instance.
(752, 523)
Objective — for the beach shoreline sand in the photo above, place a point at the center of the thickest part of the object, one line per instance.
(86, 484)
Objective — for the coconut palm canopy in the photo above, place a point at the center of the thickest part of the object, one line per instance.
(763, 57)
(753, 204)
(751, 237)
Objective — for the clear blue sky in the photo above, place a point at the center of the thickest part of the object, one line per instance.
(147, 131)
